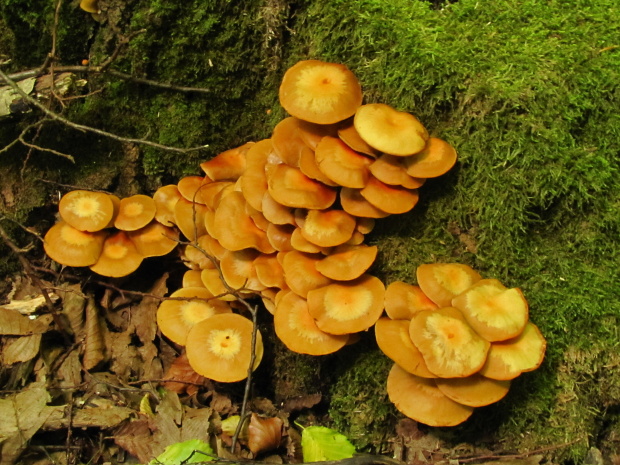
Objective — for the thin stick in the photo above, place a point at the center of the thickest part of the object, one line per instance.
(81, 127)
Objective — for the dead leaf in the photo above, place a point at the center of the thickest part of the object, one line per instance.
(89, 416)
(73, 304)
(22, 415)
(94, 347)
(13, 323)
(196, 424)
(21, 349)
(264, 434)
(135, 437)
(301, 402)
(181, 371)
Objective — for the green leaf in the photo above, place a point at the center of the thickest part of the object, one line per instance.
(319, 443)
(184, 452)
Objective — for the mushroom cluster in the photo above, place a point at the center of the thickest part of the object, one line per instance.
(284, 219)
(457, 341)
(108, 234)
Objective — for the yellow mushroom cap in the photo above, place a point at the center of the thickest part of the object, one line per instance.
(393, 339)
(508, 359)
(220, 347)
(119, 256)
(347, 262)
(348, 306)
(328, 228)
(176, 317)
(341, 164)
(154, 239)
(86, 210)
(403, 301)
(296, 328)
(290, 187)
(389, 130)
(474, 390)
(450, 347)
(320, 92)
(494, 311)
(442, 282)
(165, 199)
(135, 212)
(436, 159)
(72, 247)
(421, 400)
(228, 165)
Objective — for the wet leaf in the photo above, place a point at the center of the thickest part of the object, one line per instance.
(320, 443)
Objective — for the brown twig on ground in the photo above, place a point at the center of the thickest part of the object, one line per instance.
(83, 128)
(488, 457)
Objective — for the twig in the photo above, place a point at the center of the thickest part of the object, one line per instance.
(81, 127)
(479, 458)
(98, 70)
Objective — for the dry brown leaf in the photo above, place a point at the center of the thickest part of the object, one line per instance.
(301, 402)
(181, 371)
(264, 434)
(135, 437)
(73, 304)
(98, 413)
(13, 323)
(21, 349)
(196, 424)
(144, 315)
(69, 374)
(22, 415)
(94, 347)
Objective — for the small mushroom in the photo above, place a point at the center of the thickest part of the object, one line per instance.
(355, 204)
(320, 92)
(390, 199)
(495, 312)
(290, 187)
(165, 199)
(393, 339)
(436, 159)
(296, 328)
(72, 247)
(253, 181)
(154, 239)
(474, 390)
(442, 282)
(86, 210)
(190, 187)
(341, 164)
(508, 359)
(228, 165)
(135, 212)
(349, 135)
(348, 306)
(391, 170)
(176, 317)
(300, 272)
(286, 140)
(119, 256)
(403, 301)
(347, 262)
(421, 400)
(328, 228)
(389, 130)
(220, 347)
(190, 218)
(450, 347)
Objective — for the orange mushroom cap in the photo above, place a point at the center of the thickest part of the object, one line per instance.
(135, 212)
(442, 282)
(421, 400)
(349, 135)
(220, 347)
(300, 272)
(391, 170)
(495, 312)
(390, 199)
(347, 262)
(86, 210)
(286, 140)
(348, 306)
(389, 130)
(436, 159)
(328, 228)
(355, 204)
(393, 339)
(508, 359)
(176, 317)
(403, 301)
(290, 187)
(154, 239)
(474, 390)
(119, 256)
(253, 181)
(228, 165)
(296, 328)
(320, 92)
(312, 133)
(165, 199)
(190, 218)
(450, 347)
(72, 247)
(341, 164)
(190, 187)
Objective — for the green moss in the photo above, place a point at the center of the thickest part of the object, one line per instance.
(359, 407)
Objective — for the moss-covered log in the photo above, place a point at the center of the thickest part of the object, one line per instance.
(527, 91)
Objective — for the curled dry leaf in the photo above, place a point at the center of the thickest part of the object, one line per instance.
(182, 377)
(264, 434)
